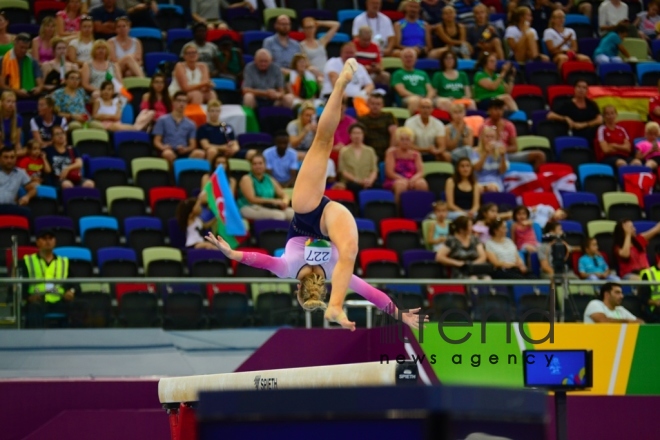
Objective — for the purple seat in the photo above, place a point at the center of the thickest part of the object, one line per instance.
(273, 119)
(651, 201)
(260, 226)
(115, 254)
(252, 40)
(587, 46)
(80, 193)
(27, 28)
(416, 205)
(52, 222)
(539, 66)
(177, 236)
(643, 225)
(571, 226)
(364, 224)
(195, 255)
(141, 222)
(105, 163)
(414, 255)
(481, 113)
(504, 200)
(318, 14)
(259, 141)
(26, 106)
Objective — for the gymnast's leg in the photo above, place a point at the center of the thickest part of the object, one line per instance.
(310, 182)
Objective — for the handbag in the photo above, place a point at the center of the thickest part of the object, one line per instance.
(74, 175)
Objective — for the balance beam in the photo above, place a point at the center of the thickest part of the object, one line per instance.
(186, 389)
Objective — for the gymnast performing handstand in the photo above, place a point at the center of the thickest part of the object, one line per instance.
(323, 239)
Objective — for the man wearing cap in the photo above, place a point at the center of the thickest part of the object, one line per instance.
(12, 179)
(48, 297)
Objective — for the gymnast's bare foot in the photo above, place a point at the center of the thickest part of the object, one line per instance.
(337, 314)
(350, 67)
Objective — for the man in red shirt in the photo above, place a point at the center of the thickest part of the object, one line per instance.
(613, 145)
(368, 54)
(654, 107)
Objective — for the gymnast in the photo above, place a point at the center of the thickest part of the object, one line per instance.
(323, 238)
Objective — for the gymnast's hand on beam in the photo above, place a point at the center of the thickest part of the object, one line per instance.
(411, 318)
(337, 314)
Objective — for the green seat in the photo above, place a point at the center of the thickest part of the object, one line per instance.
(628, 116)
(637, 48)
(288, 192)
(596, 227)
(391, 64)
(399, 113)
(257, 289)
(271, 13)
(614, 198)
(525, 142)
(123, 192)
(438, 167)
(134, 83)
(425, 235)
(89, 134)
(239, 165)
(159, 253)
(14, 4)
(148, 163)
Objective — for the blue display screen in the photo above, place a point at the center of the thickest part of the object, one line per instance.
(567, 369)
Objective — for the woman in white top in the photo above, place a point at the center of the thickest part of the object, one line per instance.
(125, 50)
(561, 41)
(80, 49)
(108, 109)
(97, 70)
(315, 49)
(192, 77)
(522, 37)
(503, 254)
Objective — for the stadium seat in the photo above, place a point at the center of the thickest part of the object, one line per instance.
(117, 262)
(572, 71)
(188, 173)
(582, 207)
(80, 260)
(271, 234)
(639, 49)
(558, 95)
(345, 18)
(177, 38)
(631, 169)
(81, 202)
(153, 59)
(533, 142)
(138, 306)
(107, 172)
(564, 142)
(242, 270)
(16, 11)
(652, 206)
(529, 98)
(602, 231)
(271, 14)
(400, 234)
(550, 129)
(165, 200)
(229, 310)
(635, 129)
(11, 225)
(416, 205)
(377, 204)
(273, 119)
(137, 87)
(367, 235)
(150, 172)
(345, 197)
(379, 263)
(98, 231)
(170, 17)
(504, 200)
(61, 226)
(542, 74)
(616, 74)
(574, 232)
(421, 264)
(621, 205)
(436, 175)
(162, 262)
(257, 141)
(143, 232)
(540, 198)
(206, 263)
(429, 65)
(580, 24)
(450, 303)
(91, 141)
(391, 64)
(45, 202)
(253, 40)
(46, 8)
(125, 201)
(151, 39)
(597, 178)
(401, 114)
(130, 145)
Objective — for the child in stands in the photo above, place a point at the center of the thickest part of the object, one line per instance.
(437, 232)
(188, 215)
(592, 265)
(35, 163)
(522, 230)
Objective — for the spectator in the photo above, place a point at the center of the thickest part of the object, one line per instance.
(562, 41)
(358, 163)
(462, 192)
(460, 138)
(483, 36)
(281, 160)
(429, 133)
(403, 165)
(230, 59)
(487, 214)
(411, 31)
(96, 71)
(380, 126)
(381, 25)
(302, 82)
(42, 50)
(581, 114)
(542, 214)
(361, 85)
(648, 150)
(11, 122)
(451, 84)
(461, 249)
(12, 179)
(303, 129)
(647, 21)
(522, 230)
(503, 254)
(592, 265)
(19, 72)
(263, 83)
(610, 45)
(315, 49)
(207, 12)
(67, 20)
(648, 294)
(207, 52)
(281, 47)
(107, 110)
(411, 84)
(368, 54)
(437, 232)
(608, 307)
(35, 163)
(630, 248)
(506, 132)
(79, 51)
(613, 145)
(464, 10)
(489, 160)
(46, 298)
(125, 50)
(260, 196)
(451, 34)
(189, 218)
(220, 160)
(553, 231)
(216, 137)
(342, 134)
(66, 162)
(55, 70)
(521, 38)
(140, 11)
(654, 106)
(70, 102)
(6, 39)
(155, 103)
(41, 125)
(488, 84)
(192, 77)
(105, 17)
(612, 13)
(174, 134)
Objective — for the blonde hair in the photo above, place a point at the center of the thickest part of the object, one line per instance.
(651, 126)
(457, 107)
(97, 44)
(45, 22)
(440, 204)
(14, 134)
(214, 103)
(307, 105)
(404, 130)
(312, 292)
(480, 147)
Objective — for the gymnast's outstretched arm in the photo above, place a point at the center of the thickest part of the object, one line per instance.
(277, 266)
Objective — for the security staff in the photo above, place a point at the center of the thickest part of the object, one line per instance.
(650, 295)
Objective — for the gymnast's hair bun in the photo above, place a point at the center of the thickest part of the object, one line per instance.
(314, 304)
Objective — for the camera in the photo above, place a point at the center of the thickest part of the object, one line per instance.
(558, 251)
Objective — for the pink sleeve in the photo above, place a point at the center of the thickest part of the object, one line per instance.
(643, 146)
(370, 293)
(277, 266)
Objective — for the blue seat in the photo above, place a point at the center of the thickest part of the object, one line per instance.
(520, 167)
(643, 225)
(127, 115)
(144, 32)
(364, 224)
(74, 253)
(416, 205)
(570, 198)
(414, 255)
(501, 63)
(465, 64)
(254, 36)
(427, 64)
(46, 192)
(278, 252)
(347, 14)
(142, 222)
(52, 222)
(80, 193)
(518, 115)
(655, 49)
(153, 59)
(263, 140)
(178, 34)
(97, 222)
(571, 226)
(105, 163)
(632, 169)
(644, 68)
(500, 199)
(130, 136)
(605, 68)
(184, 165)
(593, 169)
(115, 254)
(223, 84)
(563, 142)
(374, 195)
(195, 255)
(576, 19)
(537, 66)
(339, 37)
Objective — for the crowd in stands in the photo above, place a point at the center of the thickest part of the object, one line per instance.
(440, 86)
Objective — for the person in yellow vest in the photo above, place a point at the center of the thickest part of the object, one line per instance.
(45, 298)
(650, 295)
